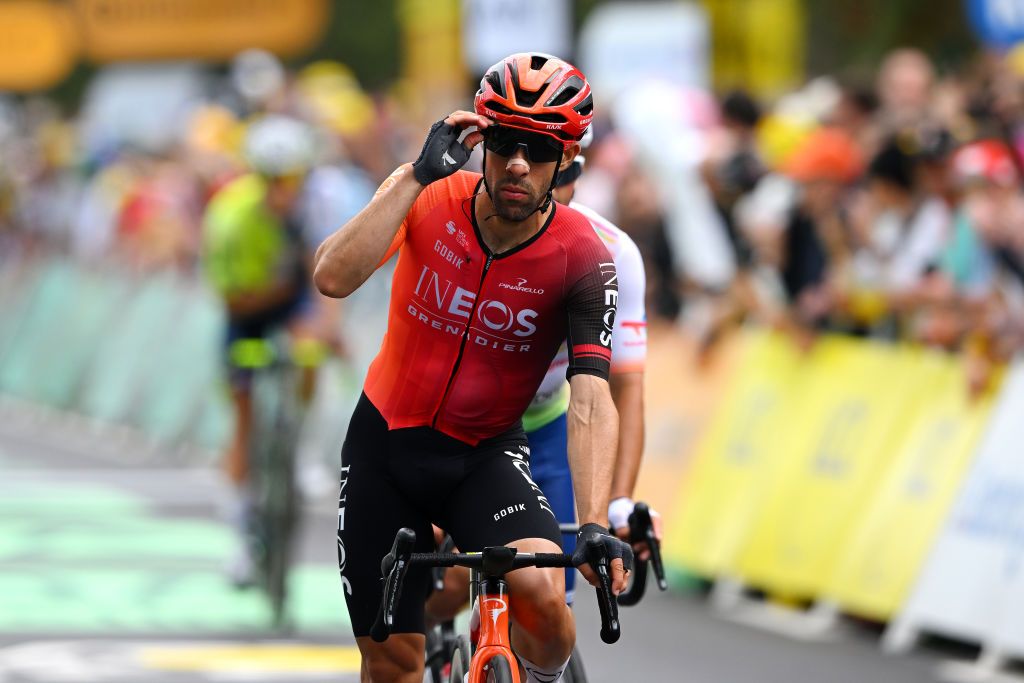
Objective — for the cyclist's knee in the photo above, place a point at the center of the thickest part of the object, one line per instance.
(543, 611)
(398, 660)
(539, 606)
(543, 627)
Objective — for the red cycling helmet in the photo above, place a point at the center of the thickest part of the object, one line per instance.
(537, 92)
(986, 160)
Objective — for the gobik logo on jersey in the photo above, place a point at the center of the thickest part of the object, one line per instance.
(443, 305)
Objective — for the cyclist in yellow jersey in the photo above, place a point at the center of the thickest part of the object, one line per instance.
(256, 260)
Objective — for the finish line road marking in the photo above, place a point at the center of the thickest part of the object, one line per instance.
(92, 661)
(266, 657)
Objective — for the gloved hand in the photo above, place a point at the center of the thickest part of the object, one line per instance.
(614, 547)
(619, 512)
(442, 154)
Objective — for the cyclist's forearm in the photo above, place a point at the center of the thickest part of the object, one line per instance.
(348, 257)
(628, 393)
(593, 434)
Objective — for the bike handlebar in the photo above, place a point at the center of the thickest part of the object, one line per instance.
(494, 562)
(641, 529)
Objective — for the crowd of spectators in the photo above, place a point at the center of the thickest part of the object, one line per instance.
(889, 210)
(77, 185)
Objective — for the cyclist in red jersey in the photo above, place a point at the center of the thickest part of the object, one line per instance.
(491, 278)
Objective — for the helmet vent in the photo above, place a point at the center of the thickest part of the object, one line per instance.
(500, 108)
(537, 62)
(526, 98)
(568, 91)
(496, 82)
(548, 118)
(586, 107)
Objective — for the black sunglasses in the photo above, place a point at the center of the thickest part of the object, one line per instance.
(504, 141)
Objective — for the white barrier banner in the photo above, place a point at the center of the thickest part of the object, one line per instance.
(972, 585)
(623, 43)
(494, 29)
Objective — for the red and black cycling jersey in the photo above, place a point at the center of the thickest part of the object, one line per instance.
(470, 333)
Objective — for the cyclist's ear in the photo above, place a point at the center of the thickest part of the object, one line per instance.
(568, 155)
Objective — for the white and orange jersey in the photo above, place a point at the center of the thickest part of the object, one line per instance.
(629, 332)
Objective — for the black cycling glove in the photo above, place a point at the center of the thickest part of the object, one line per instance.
(614, 547)
(442, 154)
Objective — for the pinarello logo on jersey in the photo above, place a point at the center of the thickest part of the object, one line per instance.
(520, 286)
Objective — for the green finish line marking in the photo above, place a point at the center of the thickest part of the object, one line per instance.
(95, 559)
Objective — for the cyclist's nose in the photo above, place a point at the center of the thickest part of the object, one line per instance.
(518, 164)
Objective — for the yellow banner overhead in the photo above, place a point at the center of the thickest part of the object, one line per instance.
(38, 45)
(206, 29)
(890, 540)
(855, 401)
(758, 45)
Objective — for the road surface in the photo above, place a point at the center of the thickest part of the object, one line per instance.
(110, 570)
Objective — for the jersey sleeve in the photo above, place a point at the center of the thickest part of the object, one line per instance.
(629, 334)
(591, 302)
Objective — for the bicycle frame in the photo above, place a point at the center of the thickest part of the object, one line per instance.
(278, 366)
(493, 605)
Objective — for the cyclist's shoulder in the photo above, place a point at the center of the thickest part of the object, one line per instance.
(576, 234)
(620, 245)
(616, 239)
(569, 225)
(457, 187)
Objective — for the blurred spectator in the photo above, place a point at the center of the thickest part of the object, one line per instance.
(816, 245)
(641, 217)
(732, 171)
(905, 82)
(900, 230)
(855, 113)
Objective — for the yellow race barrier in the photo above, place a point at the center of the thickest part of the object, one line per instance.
(890, 541)
(855, 400)
(722, 492)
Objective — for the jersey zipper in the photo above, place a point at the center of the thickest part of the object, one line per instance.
(462, 346)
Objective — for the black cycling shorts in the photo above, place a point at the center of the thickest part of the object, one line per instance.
(482, 495)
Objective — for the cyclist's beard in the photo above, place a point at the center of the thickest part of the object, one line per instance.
(521, 209)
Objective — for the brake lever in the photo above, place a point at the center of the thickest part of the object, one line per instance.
(393, 569)
(644, 531)
(597, 558)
